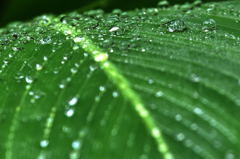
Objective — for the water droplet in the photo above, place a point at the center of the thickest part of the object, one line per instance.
(73, 101)
(15, 49)
(178, 117)
(75, 47)
(114, 131)
(101, 57)
(85, 54)
(45, 58)
(44, 143)
(155, 132)
(229, 155)
(78, 39)
(67, 32)
(180, 136)
(194, 126)
(115, 94)
(197, 111)
(38, 67)
(29, 79)
(46, 40)
(143, 50)
(209, 25)
(74, 70)
(143, 156)
(159, 94)
(113, 29)
(150, 81)
(76, 144)
(61, 86)
(195, 78)
(69, 112)
(44, 19)
(163, 3)
(175, 26)
(92, 68)
(102, 88)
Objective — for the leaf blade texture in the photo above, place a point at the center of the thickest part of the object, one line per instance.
(150, 83)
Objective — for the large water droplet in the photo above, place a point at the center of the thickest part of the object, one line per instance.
(209, 25)
(176, 26)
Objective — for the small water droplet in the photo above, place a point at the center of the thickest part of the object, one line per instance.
(163, 3)
(198, 111)
(102, 88)
(178, 117)
(159, 94)
(229, 155)
(143, 50)
(46, 40)
(74, 70)
(75, 47)
(195, 78)
(143, 156)
(180, 136)
(150, 81)
(29, 79)
(73, 101)
(194, 126)
(92, 68)
(38, 67)
(113, 29)
(67, 32)
(76, 144)
(115, 94)
(85, 54)
(44, 143)
(69, 112)
(45, 58)
(61, 86)
(78, 39)
(15, 49)
(101, 57)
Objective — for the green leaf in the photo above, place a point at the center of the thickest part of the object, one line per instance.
(152, 83)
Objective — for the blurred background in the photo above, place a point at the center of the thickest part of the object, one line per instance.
(21, 10)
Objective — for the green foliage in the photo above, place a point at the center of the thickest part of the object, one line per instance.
(156, 83)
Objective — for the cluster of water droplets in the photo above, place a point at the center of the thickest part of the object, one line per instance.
(70, 108)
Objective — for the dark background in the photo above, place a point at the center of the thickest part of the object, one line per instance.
(20, 10)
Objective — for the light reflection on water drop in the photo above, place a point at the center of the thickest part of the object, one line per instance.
(44, 143)
(73, 101)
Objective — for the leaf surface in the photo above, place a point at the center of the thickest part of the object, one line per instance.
(151, 83)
